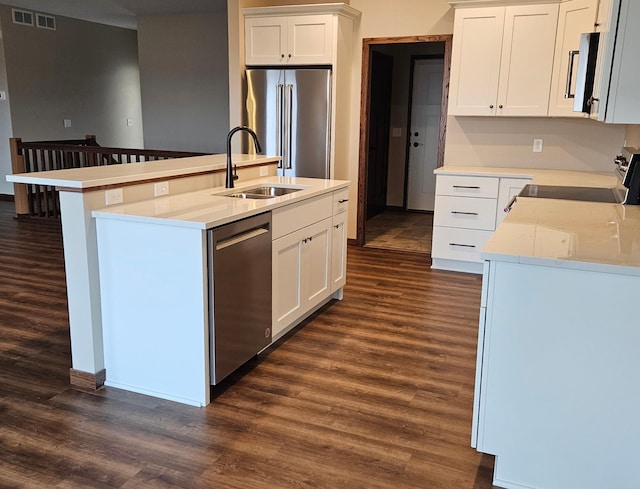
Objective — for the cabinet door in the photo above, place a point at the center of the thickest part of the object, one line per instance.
(509, 188)
(527, 60)
(316, 256)
(475, 63)
(265, 40)
(575, 17)
(338, 251)
(310, 39)
(286, 280)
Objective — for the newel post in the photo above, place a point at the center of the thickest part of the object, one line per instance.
(18, 166)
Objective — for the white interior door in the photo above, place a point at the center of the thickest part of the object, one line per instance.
(425, 124)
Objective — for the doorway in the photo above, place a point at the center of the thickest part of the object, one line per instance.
(396, 203)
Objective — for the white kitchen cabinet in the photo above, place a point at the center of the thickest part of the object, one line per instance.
(509, 188)
(309, 260)
(617, 69)
(468, 209)
(300, 273)
(575, 17)
(339, 240)
(464, 219)
(502, 60)
(295, 40)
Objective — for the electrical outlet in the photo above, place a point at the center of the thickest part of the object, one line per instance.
(537, 145)
(113, 196)
(264, 171)
(67, 123)
(3, 95)
(129, 122)
(161, 188)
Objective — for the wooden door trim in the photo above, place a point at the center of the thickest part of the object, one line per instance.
(367, 44)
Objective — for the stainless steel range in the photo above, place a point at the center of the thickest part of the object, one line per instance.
(628, 169)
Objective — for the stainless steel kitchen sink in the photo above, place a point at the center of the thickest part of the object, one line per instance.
(264, 192)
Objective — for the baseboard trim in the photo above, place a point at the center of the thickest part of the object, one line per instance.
(86, 380)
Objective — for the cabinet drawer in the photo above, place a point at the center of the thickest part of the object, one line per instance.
(340, 201)
(486, 187)
(465, 212)
(458, 244)
(292, 217)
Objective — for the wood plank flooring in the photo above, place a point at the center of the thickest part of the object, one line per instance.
(373, 392)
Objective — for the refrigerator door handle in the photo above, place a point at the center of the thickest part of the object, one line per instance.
(279, 114)
(288, 125)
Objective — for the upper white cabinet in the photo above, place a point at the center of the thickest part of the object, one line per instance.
(617, 69)
(298, 39)
(575, 17)
(502, 60)
(295, 35)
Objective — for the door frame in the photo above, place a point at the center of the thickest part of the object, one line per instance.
(439, 163)
(367, 44)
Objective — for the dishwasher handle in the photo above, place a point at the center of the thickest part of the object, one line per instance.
(240, 237)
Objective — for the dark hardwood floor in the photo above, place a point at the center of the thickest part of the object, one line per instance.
(374, 392)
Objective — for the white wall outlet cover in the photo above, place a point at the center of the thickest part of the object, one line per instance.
(537, 145)
(161, 188)
(3, 95)
(67, 123)
(264, 171)
(113, 196)
(129, 122)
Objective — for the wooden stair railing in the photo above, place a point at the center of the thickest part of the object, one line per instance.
(28, 157)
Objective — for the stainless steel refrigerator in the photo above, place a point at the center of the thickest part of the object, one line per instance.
(290, 111)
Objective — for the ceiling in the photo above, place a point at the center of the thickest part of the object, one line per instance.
(121, 13)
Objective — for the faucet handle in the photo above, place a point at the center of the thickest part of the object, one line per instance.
(235, 172)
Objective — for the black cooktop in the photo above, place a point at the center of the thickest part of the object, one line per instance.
(586, 194)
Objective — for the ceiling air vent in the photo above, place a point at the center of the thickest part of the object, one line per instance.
(46, 22)
(22, 17)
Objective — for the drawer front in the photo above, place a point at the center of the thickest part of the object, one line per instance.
(465, 212)
(485, 187)
(458, 244)
(340, 201)
(292, 217)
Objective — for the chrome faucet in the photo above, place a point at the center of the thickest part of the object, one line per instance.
(230, 176)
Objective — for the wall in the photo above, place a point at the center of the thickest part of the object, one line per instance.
(6, 188)
(632, 135)
(184, 81)
(82, 71)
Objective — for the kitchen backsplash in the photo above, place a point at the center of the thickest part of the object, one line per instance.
(568, 144)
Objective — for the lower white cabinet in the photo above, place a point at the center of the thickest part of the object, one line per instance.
(300, 272)
(468, 209)
(309, 262)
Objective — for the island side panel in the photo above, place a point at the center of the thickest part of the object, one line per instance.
(559, 395)
(153, 280)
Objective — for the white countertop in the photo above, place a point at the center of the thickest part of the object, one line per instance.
(589, 236)
(209, 208)
(98, 176)
(540, 177)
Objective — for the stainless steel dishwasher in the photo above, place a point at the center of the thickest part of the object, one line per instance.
(239, 293)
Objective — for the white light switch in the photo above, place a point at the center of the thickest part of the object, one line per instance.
(537, 145)
(3, 95)
(67, 123)
(129, 122)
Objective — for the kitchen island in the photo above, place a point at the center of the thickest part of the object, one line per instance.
(158, 275)
(556, 395)
(84, 189)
